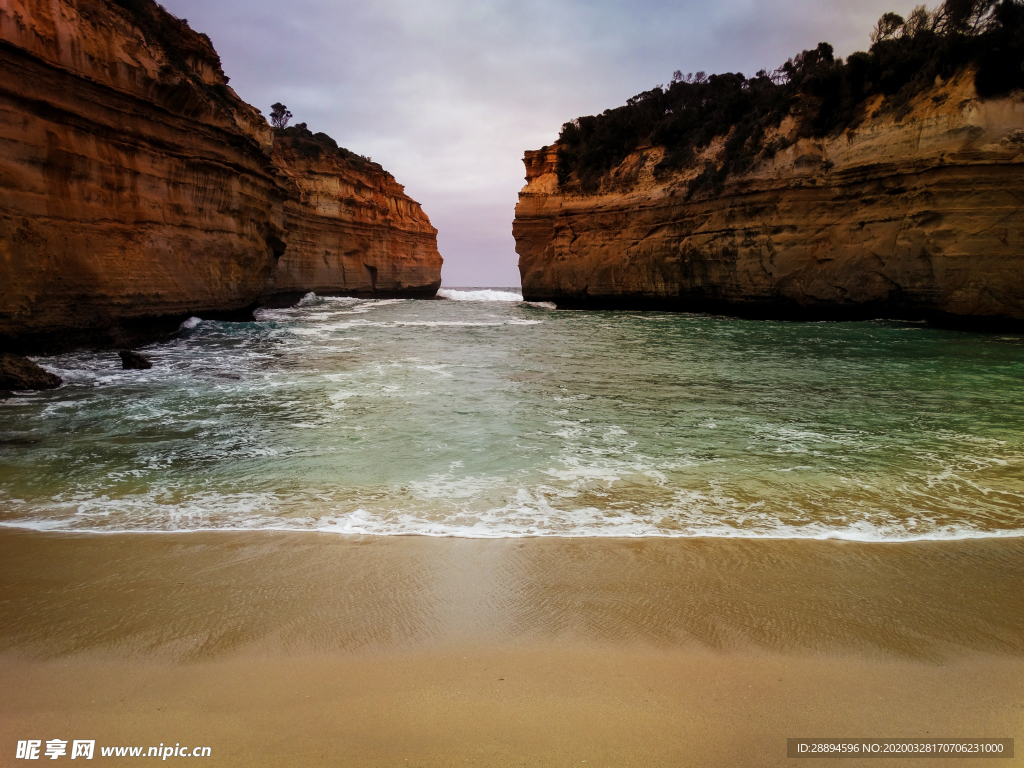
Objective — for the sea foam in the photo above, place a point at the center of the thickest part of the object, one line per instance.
(482, 295)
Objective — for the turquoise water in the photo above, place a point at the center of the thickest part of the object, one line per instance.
(499, 418)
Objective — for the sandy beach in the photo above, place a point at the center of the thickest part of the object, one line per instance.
(315, 649)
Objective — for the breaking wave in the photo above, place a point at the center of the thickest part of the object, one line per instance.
(487, 294)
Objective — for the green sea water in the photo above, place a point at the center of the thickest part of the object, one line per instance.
(482, 415)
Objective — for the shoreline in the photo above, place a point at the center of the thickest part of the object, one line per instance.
(1014, 533)
(316, 649)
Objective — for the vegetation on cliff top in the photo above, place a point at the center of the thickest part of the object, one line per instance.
(827, 94)
(280, 115)
(180, 43)
(313, 146)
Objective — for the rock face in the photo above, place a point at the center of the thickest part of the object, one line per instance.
(919, 217)
(351, 227)
(133, 361)
(135, 184)
(137, 189)
(20, 373)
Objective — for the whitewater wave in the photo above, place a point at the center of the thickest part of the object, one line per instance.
(491, 524)
(488, 294)
(524, 512)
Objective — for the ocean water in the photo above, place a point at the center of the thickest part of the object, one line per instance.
(480, 415)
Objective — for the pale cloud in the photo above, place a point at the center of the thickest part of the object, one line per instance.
(447, 94)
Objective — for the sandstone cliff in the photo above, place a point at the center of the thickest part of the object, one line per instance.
(137, 189)
(351, 227)
(915, 215)
(135, 184)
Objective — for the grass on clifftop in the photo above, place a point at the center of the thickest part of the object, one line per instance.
(825, 93)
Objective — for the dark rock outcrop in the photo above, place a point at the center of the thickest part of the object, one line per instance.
(133, 361)
(19, 373)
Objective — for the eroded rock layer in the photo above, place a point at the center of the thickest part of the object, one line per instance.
(917, 217)
(133, 182)
(137, 189)
(352, 229)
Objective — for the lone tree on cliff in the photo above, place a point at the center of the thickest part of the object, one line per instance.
(279, 115)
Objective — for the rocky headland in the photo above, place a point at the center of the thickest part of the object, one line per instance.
(351, 227)
(137, 189)
(908, 205)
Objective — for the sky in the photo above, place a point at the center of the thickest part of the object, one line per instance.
(448, 94)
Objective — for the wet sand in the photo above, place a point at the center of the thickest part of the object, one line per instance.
(306, 649)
